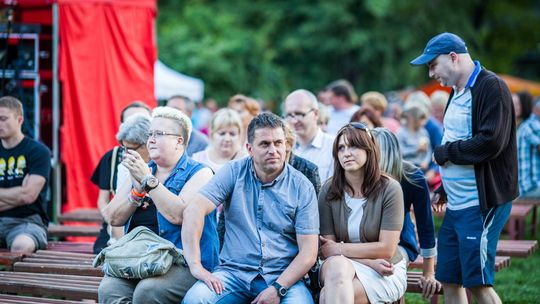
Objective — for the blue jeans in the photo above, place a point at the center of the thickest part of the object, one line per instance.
(237, 291)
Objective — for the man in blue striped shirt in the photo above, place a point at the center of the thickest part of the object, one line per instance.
(477, 159)
(528, 140)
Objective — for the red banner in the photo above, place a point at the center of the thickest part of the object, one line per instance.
(107, 55)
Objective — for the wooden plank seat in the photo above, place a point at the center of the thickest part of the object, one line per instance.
(46, 261)
(14, 299)
(517, 248)
(57, 268)
(413, 277)
(517, 220)
(532, 202)
(81, 215)
(63, 230)
(70, 287)
(48, 257)
(501, 262)
(80, 247)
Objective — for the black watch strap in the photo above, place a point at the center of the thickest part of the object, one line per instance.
(281, 291)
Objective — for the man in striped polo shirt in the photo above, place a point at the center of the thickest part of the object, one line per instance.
(478, 165)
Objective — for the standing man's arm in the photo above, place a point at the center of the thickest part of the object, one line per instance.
(192, 228)
(22, 195)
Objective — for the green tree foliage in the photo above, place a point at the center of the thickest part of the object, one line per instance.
(267, 48)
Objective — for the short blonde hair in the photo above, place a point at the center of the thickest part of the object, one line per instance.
(440, 97)
(225, 118)
(13, 104)
(290, 137)
(375, 100)
(181, 119)
(324, 115)
(418, 98)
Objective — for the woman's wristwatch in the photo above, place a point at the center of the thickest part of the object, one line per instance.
(149, 183)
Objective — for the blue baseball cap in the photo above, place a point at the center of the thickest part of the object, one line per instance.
(444, 43)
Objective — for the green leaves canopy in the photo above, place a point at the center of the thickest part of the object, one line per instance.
(268, 48)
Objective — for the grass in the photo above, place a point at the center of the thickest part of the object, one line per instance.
(519, 283)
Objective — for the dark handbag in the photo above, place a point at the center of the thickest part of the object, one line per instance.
(312, 281)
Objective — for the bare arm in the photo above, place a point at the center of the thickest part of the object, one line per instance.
(172, 206)
(382, 266)
(304, 260)
(118, 210)
(300, 265)
(22, 195)
(428, 283)
(104, 197)
(382, 249)
(192, 228)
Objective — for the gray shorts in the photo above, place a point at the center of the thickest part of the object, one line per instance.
(11, 227)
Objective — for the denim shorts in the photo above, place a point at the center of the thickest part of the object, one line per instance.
(32, 226)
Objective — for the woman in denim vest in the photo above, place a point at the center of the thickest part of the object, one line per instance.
(156, 198)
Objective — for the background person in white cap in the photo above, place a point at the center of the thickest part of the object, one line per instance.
(478, 165)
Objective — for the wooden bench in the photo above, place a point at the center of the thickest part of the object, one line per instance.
(63, 230)
(54, 262)
(535, 203)
(70, 287)
(517, 220)
(77, 247)
(501, 262)
(81, 215)
(13, 299)
(413, 277)
(517, 248)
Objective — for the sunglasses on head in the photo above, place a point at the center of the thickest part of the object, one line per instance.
(358, 126)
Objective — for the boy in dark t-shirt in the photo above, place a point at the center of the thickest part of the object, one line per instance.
(25, 166)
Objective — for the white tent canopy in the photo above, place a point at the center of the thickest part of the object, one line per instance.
(168, 82)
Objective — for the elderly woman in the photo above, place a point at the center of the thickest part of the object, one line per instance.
(132, 135)
(225, 140)
(415, 193)
(156, 198)
(361, 216)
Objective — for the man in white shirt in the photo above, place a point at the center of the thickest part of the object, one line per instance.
(343, 100)
(301, 112)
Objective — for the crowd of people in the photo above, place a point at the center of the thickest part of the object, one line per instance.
(340, 186)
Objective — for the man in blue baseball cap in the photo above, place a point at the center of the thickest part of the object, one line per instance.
(478, 165)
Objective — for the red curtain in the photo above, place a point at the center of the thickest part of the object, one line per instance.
(107, 55)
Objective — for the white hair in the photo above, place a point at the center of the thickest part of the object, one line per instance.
(134, 129)
(306, 95)
(181, 119)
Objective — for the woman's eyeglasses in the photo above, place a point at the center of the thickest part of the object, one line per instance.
(133, 148)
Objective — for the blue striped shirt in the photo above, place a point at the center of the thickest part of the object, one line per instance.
(459, 181)
(528, 141)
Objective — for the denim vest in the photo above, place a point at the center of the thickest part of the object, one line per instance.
(184, 170)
